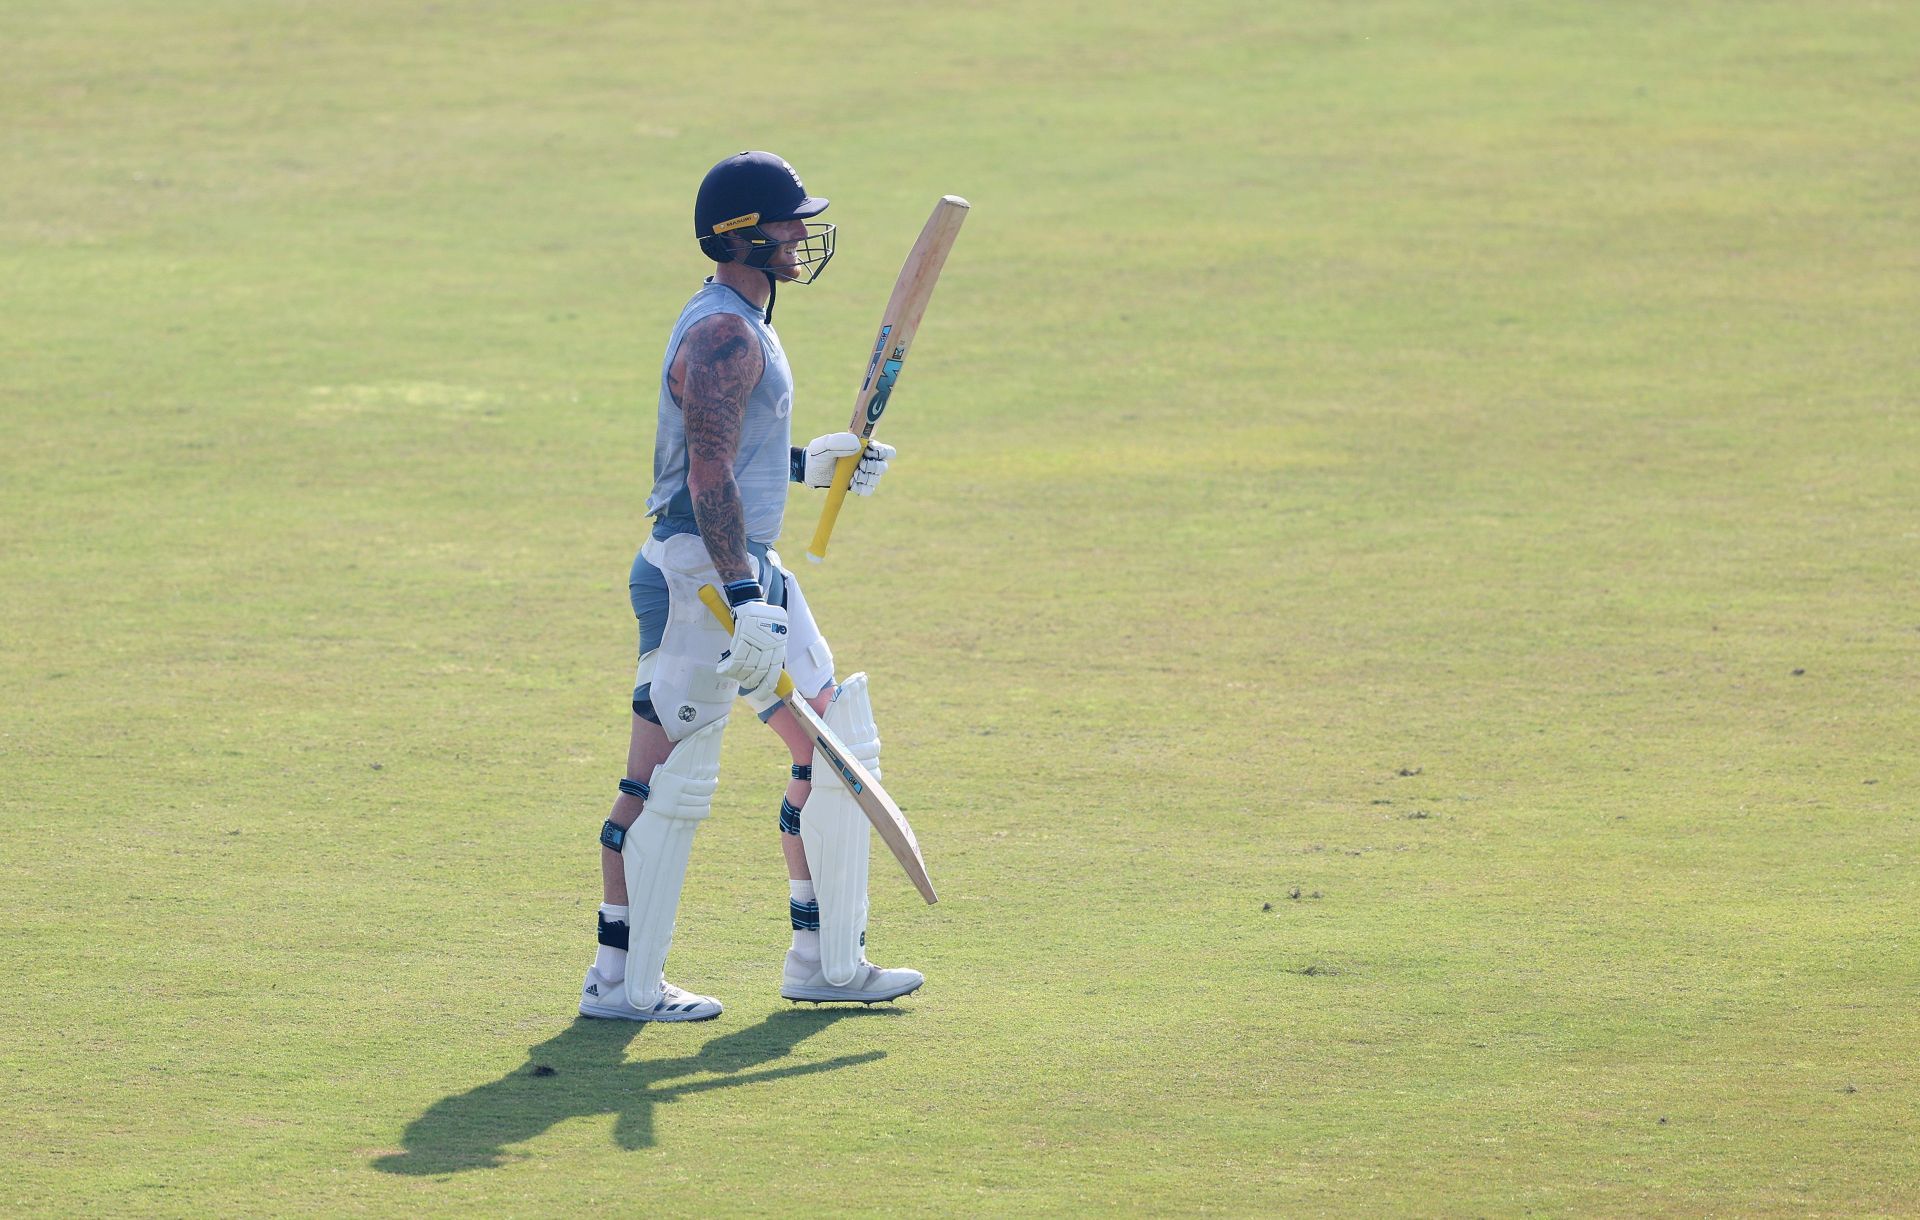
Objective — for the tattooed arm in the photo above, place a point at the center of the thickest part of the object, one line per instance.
(718, 365)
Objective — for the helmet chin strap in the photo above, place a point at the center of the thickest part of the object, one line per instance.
(773, 290)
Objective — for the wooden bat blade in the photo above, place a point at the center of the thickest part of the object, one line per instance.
(887, 819)
(898, 325)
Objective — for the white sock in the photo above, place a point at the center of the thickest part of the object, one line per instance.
(806, 941)
(611, 963)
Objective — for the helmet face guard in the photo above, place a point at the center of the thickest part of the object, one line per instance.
(797, 261)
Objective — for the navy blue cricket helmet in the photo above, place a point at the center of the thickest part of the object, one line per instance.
(751, 189)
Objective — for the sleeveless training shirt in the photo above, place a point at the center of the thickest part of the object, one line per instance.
(762, 466)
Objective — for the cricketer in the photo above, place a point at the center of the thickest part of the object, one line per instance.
(722, 461)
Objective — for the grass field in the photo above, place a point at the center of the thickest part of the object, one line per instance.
(1395, 618)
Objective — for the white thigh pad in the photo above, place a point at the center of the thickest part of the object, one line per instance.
(687, 694)
(654, 856)
(835, 835)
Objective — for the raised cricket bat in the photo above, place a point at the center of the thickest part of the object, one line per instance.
(827, 746)
(905, 308)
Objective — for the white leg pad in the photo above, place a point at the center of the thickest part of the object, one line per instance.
(835, 835)
(655, 855)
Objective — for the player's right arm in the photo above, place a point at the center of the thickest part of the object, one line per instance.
(717, 366)
(719, 363)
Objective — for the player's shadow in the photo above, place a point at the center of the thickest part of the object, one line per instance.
(585, 1071)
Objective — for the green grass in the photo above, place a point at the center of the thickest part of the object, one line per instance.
(1455, 463)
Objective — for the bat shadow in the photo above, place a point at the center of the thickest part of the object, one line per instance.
(584, 1070)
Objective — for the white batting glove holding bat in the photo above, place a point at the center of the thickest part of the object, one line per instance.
(825, 452)
(758, 651)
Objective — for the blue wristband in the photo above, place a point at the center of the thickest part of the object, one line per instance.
(796, 465)
(745, 591)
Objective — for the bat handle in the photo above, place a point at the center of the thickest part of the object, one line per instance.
(718, 604)
(830, 512)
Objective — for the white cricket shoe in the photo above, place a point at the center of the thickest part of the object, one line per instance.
(601, 997)
(803, 979)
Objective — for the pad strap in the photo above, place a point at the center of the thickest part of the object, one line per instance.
(803, 772)
(789, 817)
(612, 934)
(612, 837)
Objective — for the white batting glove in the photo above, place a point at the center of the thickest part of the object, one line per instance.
(758, 651)
(866, 476)
(824, 452)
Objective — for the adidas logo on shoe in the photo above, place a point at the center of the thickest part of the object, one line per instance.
(593, 989)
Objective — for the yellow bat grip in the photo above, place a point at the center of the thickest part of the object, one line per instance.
(836, 496)
(718, 605)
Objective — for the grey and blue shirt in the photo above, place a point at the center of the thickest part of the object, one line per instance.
(762, 467)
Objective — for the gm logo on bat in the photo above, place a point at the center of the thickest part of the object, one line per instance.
(889, 372)
(878, 403)
(839, 764)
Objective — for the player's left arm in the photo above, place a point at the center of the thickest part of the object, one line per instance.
(814, 464)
